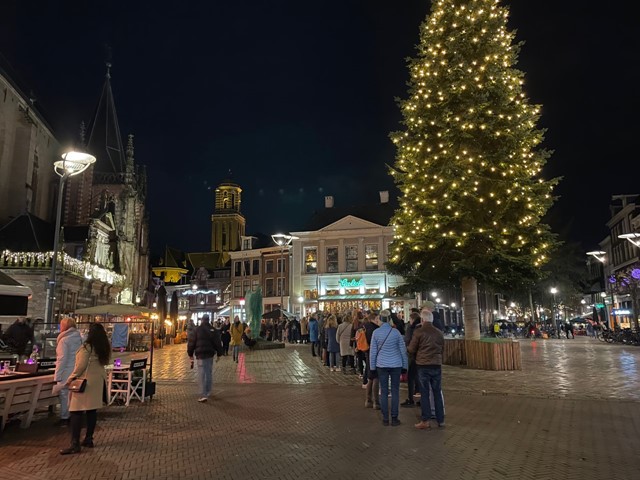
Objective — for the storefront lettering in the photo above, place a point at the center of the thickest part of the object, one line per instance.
(351, 283)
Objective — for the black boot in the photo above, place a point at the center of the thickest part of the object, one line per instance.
(87, 442)
(74, 448)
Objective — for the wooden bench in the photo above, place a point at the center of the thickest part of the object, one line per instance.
(22, 397)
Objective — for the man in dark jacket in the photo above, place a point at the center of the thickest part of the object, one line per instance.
(18, 336)
(427, 345)
(437, 321)
(205, 343)
(412, 373)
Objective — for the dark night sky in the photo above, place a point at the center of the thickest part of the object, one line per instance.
(297, 98)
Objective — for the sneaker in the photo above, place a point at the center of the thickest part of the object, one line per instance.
(364, 385)
(395, 421)
(63, 422)
(202, 399)
(441, 425)
(368, 404)
(423, 425)
(407, 403)
(385, 422)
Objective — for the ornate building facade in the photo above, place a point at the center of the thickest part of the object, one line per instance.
(104, 239)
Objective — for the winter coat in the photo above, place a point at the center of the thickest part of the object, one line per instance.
(387, 348)
(67, 346)
(313, 330)
(343, 336)
(206, 342)
(236, 332)
(437, 321)
(18, 335)
(427, 345)
(333, 346)
(304, 326)
(88, 366)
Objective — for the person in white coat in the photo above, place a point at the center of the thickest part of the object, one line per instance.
(68, 342)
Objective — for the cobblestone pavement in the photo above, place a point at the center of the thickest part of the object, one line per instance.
(580, 368)
(274, 420)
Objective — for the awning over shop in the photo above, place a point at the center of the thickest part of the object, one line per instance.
(360, 296)
(14, 297)
(223, 311)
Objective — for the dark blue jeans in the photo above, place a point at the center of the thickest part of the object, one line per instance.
(431, 376)
(383, 377)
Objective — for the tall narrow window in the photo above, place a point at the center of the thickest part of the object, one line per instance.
(256, 267)
(332, 259)
(282, 265)
(268, 287)
(371, 256)
(268, 266)
(351, 255)
(310, 260)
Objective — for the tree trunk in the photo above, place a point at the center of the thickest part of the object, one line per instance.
(470, 308)
(534, 316)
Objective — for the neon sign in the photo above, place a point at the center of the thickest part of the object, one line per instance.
(351, 283)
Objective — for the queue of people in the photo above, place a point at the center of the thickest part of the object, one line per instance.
(382, 349)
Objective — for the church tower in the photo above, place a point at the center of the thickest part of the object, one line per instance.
(227, 223)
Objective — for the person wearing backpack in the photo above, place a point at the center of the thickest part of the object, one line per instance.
(372, 397)
(362, 349)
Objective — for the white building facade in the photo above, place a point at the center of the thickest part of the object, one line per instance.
(342, 266)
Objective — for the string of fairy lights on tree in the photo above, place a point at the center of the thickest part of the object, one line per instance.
(468, 160)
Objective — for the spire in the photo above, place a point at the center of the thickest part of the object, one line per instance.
(105, 141)
(130, 150)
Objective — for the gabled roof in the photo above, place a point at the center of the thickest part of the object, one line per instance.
(27, 233)
(379, 213)
(208, 260)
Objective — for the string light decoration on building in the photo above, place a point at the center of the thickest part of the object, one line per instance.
(468, 158)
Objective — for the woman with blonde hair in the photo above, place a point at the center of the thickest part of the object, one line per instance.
(344, 334)
(333, 347)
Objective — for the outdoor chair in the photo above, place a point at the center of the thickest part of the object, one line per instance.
(129, 382)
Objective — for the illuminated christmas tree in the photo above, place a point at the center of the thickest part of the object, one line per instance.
(469, 160)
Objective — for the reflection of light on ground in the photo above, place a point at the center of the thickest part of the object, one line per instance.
(628, 364)
(241, 370)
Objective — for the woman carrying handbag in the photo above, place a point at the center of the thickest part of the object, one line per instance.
(88, 395)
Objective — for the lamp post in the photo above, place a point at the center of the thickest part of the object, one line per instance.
(72, 164)
(600, 256)
(282, 240)
(634, 239)
(553, 291)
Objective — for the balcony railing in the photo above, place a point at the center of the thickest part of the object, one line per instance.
(42, 260)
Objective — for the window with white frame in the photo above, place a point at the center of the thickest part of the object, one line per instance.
(332, 259)
(282, 265)
(237, 289)
(310, 260)
(281, 289)
(268, 266)
(351, 256)
(268, 287)
(371, 256)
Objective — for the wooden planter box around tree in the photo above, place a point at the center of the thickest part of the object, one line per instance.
(491, 354)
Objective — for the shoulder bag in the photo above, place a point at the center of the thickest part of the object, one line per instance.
(78, 385)
(374, 373)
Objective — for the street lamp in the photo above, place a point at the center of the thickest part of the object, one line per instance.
(631, 237)
(598, 255)
(553, 291)
(284, 241)
(72, 164)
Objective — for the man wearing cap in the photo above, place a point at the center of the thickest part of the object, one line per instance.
(427, 345)
(205, 344)
(431, 307)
